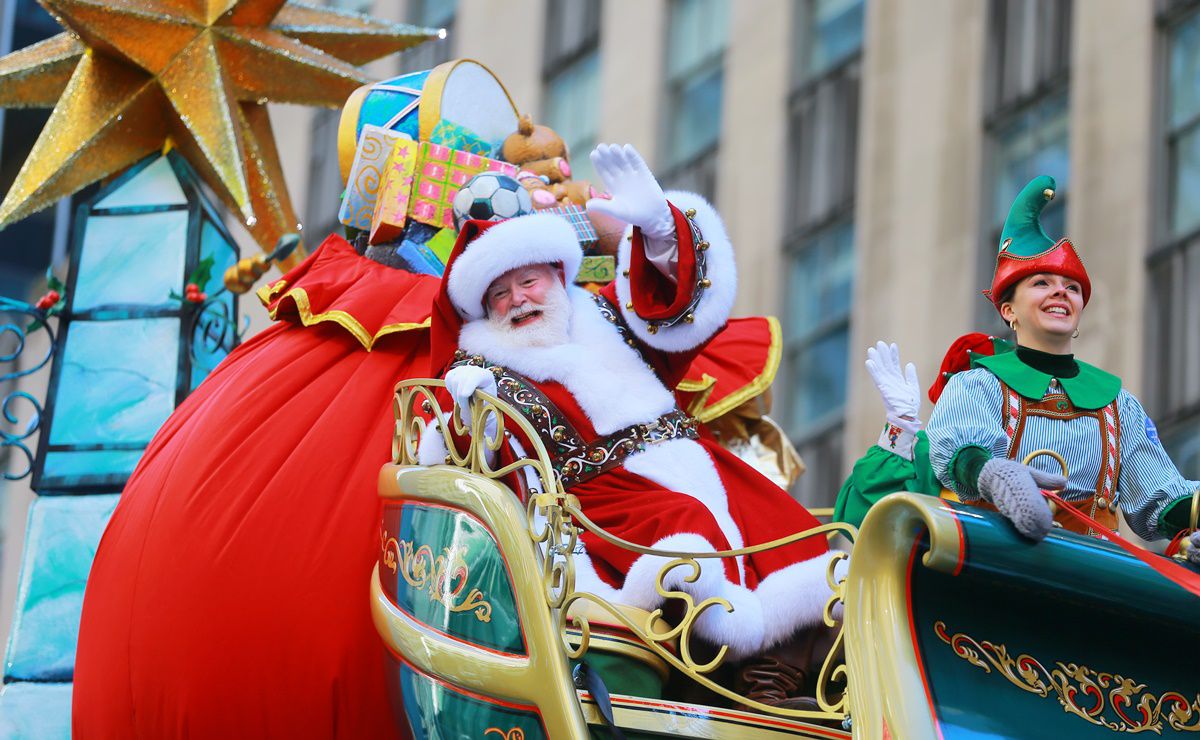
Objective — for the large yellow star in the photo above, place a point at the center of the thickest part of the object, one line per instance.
(130, 76)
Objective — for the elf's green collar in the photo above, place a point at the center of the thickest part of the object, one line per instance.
(1091, 389)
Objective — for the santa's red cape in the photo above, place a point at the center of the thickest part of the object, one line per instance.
(229, 594)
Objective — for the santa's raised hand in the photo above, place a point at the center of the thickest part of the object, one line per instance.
(636, 197)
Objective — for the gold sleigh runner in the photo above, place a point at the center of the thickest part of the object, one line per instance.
(1084, 692)
(555, 521)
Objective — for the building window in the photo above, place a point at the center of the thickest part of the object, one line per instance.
(571, 69)
(1173, 349)
(697, 33)
(1026, 121)
(430, 14)
(822, 155)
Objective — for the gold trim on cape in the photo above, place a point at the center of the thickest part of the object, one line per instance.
(299, 296)
(751, 390)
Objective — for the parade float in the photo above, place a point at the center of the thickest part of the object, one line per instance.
(947, 623)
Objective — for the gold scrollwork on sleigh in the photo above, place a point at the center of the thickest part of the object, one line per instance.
(555, 522)
(443, 578)
(1107, 700)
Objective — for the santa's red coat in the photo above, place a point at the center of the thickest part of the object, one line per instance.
(675, 495)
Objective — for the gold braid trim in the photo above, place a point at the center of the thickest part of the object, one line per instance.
(299, 296)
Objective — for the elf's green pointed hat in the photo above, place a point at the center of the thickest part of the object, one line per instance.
(1026, 250)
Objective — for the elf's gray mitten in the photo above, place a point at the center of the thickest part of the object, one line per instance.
(1013, 488)
(1193, 554)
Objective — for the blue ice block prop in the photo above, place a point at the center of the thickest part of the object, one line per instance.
(60, 544)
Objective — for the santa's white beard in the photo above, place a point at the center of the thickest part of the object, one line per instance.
(551, 329)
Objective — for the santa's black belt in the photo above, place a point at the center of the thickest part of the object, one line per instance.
(574, 459)
(611, 450)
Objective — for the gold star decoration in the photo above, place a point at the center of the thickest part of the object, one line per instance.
(130, 77)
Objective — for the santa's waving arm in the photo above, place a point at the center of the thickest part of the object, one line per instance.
(676, 279)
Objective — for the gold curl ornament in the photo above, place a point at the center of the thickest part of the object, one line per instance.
(1108, 700)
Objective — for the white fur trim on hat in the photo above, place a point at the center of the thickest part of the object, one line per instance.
(539, 238)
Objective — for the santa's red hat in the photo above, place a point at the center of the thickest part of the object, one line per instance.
(484, 251)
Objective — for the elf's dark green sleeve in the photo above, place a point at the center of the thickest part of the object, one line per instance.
(880, 472)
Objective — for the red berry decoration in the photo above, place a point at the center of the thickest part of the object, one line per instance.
(191, 288)
(48, 300)
(201, 297)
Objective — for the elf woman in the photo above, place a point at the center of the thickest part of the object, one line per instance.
(1040, 397)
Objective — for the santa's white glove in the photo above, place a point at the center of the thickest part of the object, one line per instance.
(462, 382)
(899, 389)
(636, 196)
(1013, 488)
(1193, 554)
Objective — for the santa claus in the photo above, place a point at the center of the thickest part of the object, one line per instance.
(593, 374)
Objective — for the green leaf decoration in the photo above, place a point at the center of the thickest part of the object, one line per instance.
(203, 272)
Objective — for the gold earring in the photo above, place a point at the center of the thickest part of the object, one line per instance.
(1075, 335)
(1013, 325)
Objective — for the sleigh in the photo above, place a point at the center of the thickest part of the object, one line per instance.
(951, 625)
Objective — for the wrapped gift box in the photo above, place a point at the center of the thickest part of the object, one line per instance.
(597, 269)
(440, 172)
(362, 188)
(391, 203)
(448, 133)
(442, 244)
(578, 218)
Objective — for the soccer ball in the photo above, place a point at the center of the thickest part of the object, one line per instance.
(490, 196)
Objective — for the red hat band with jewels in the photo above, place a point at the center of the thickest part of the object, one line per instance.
(1026, 250)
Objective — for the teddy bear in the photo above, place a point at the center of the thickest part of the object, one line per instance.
(545, 165)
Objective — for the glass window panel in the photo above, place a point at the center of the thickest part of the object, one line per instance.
(217, 245)
(818, 382)
(821, 281)
(1185, 71)
(67, 467)
(434, 13)
(836, 34)
(1183, 445)
(696, 116)
(573, 110)
(698, 31)
(117, 382)
(154, 243)
(156, 185)
(1185, 185)
(1034, 143)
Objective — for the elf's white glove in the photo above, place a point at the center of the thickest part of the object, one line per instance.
(1013, 488)
(462, 382)
(900, 390)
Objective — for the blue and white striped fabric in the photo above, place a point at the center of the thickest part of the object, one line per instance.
(971, 412)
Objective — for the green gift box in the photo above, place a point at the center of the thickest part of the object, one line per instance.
(597, 269)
